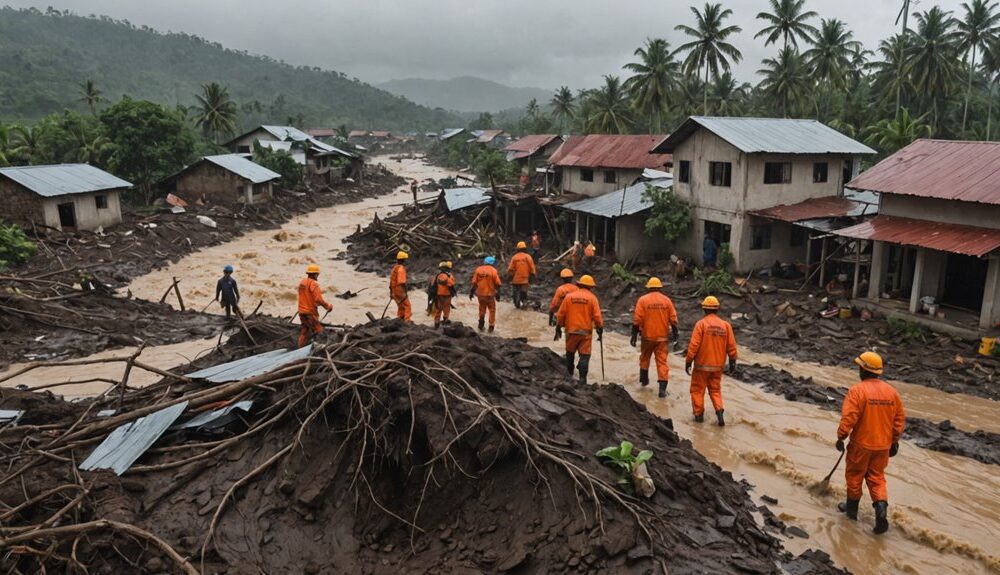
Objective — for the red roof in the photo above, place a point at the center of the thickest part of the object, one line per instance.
(357, 134)
(528, 145)
(825, 207)
(321, 132)
(381, 134)
(604, 151)
(945, 169)
(954, 238)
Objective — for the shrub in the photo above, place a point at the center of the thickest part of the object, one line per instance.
(15, 248)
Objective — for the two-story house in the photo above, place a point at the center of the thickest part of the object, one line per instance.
(937, 234)
(729, 167)
(598, 164)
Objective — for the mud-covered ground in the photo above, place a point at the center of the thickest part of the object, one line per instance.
(396, 448)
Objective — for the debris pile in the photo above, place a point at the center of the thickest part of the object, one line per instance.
(389, 448)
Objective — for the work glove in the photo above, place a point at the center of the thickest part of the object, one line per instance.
(472, 294)
(329, 307)
(222, 304)
(558, 334)
(635, 336)
(894, 449)
(732, 366)
(552, 318)
(687, 367)
(600, 334)
(840, 445)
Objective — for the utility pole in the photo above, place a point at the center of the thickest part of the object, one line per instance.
(903, 13)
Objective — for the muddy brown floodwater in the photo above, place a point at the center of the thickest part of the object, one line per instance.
(945, 509)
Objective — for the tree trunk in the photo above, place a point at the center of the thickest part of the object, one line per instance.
(704, 107)
(989, 112)
(968, 89)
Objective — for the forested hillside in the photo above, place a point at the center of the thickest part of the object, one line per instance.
(45, 57)
(465, 94)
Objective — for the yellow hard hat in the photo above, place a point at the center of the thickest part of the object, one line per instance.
(522, 245)
(711, 302)
(566, 273)
(401, 255)
(445, 264)
(870, 361)
(312, 269)
(586, 281)
(654, 283)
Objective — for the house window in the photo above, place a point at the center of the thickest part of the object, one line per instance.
(720, 173)
(610, 177)
(101, 201)
(760, 237)
(587, 175)
(798, 237)
(820, 171)
(685, 172)
(777, 172)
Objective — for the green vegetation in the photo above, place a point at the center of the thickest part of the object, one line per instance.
(624, 459)
(724, 259)
(718, 282)
(280, 162)
(623, 275)
(46, 58)
(491, 166)
(908, 331)
(670, 216)
(15, 249)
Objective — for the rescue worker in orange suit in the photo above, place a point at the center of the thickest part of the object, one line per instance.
(580, 315)
(536, 245)
(486, 287)
(873, 417)
(521, 270)
(711, 341)
(654, 319)
(589, 255)
(567, 286)
(310, 298)
(398, 287)
(443, 289)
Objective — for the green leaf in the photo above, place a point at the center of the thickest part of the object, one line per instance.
(644, 456)
(626, 449)
(611, 452)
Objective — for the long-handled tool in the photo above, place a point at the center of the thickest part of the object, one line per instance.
(601, 342)
(386, 308)
(823, 486)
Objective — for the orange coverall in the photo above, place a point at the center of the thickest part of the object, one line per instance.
(561, 293)
(521, 268)
(536, 242)
(653, 316)
(579, 314)
(485, 283)
(442, 296)
(397, 291)
(310, 298)
(874, 418)
(711, 341)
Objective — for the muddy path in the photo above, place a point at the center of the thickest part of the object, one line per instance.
(944, 508)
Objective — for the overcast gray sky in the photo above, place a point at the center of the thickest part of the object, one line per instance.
(541, 43)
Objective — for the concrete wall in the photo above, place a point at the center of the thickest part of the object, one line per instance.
(631, 240)
(947, 211)
(572, 181)
(246, 142)
(212, 182)
(990, 314)
(24, 207)
(701, 148)
(759, 195)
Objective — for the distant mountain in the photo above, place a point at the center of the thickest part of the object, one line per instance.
(44, 57)
(465, 94)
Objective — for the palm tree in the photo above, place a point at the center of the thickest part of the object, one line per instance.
(609, 108)
(532, 109)
(786, 78)
(728, 97)
(90, 95)
(975, 29)
(709, 48)
(653, 79)
(563, 106)
(933, 62)
(27, 144)
(991, 65)
(891, 135)
(888, 81)
(787, 21)
(218, 113)
(5, 151)
(831, 58)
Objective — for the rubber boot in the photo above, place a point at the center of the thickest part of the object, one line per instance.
(437, 324)
(663, 388)
(881, 517)
(699, 418)
(490, 330)
(584, 368)
(850, 507)
(583, 377)
(722, 420)
(482, 324)
(643, 377)
(569, 363)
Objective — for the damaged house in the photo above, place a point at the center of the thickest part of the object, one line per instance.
(320, 160)
(936, 253)
(532, 152)
(65, 197)
(730, 168)
(597, 164)
(227, 178)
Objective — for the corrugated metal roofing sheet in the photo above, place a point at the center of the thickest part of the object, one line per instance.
(461, 198)
(63, 179)
(206, 418)
(10, 415)
(450, 133)
(251, 366)
(768, 136)
(487, 136)
(968, 240)
(244, 168)
(530, 144)
(129, 441)
(622, 202)
(610, 151)
(321, 132)
(949, 170)
(287, 133)
(813, 208)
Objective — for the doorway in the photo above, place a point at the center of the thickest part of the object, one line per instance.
(965, 280)
(67, 216)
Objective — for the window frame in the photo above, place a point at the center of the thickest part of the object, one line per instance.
(825, 174)
(101, 201)
(758, 243)
(586, 174)
(725, 179)
(684, 172)
(613, 179)
(786, 173)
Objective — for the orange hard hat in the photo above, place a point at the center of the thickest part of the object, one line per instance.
(711, 302)
(566, 273)
(312, 269)
(586, 281)
(522, 245)
(401, 255)
(870, 361)
(445, 265)
(654, 283)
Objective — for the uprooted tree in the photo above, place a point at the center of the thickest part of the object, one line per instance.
(670, 216)
(15, 248)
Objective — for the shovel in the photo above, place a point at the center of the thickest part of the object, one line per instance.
(824, 486)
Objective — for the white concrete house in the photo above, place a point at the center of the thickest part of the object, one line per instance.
(67, 197)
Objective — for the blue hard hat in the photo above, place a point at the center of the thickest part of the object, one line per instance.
(489, 260)
(227, 269)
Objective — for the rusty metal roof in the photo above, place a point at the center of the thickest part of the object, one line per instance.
(608, 151)
(768, 136)
(814, 208)
(954, 238)
(528, 146)
(321, 132)
(945, 169)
